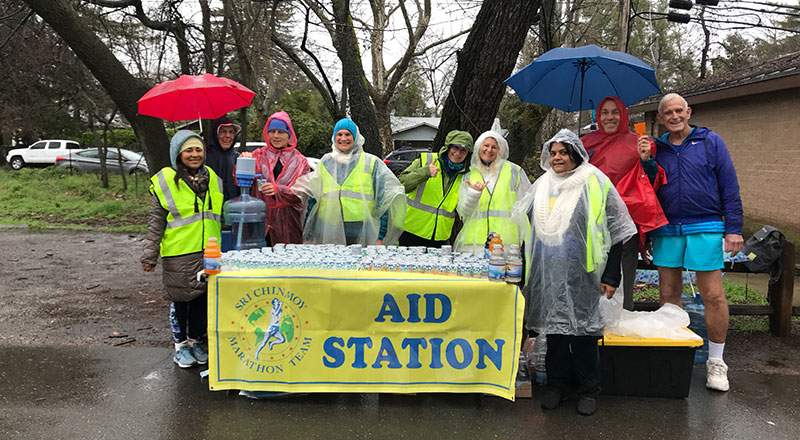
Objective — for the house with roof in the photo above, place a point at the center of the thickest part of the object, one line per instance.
(417, 132)
(755, 110)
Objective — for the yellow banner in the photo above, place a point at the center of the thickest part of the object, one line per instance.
(351, 331)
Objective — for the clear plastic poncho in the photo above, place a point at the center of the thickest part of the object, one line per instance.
(565, 249)
(477, 222)
(327, 225)
(285, 211)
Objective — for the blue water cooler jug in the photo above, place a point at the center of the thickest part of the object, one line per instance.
(245, 214)
(697, 323)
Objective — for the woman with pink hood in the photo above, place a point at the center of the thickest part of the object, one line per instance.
(280, 164)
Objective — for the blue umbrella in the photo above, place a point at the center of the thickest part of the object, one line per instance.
(578, 78)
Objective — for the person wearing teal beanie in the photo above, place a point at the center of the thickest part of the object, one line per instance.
(353, 197)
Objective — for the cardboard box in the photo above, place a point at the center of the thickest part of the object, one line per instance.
(650, 367)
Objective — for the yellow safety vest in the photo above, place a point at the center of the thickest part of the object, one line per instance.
(595, 221)
(352, 194)
(190, 222)
(494, 210)
(431, 209)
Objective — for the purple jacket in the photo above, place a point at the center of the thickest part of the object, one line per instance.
(701, 181)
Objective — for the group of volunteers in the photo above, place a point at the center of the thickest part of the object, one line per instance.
(603, 200)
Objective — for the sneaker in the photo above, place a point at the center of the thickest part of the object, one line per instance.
(184, 358)
(587, 406)
(551, 399)
(716, 375)
(199, 353)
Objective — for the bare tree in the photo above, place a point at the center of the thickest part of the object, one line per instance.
(123, 88)
(369, 98)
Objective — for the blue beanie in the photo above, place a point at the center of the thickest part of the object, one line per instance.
(348, 125)
(277, 124)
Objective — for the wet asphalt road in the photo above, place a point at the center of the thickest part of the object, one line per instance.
(138, 393)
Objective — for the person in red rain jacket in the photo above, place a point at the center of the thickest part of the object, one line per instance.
(636, 176)
(280, 164)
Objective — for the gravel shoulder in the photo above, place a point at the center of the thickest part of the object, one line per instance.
(84, 288)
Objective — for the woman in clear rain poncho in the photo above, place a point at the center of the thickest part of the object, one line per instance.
(573, 223)
(280, 165)
(488, 193)
(353, 196)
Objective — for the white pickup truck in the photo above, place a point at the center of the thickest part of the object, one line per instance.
(42, 152)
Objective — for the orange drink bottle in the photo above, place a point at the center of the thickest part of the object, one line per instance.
(496, 240)
(212, 257)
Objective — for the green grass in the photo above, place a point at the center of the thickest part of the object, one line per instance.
(736, 293)
(55, 197)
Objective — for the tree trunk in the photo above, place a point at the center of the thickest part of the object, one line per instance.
(361, 109)
(487, 58)
(622, 28)
(123, 88)
(547, 26)
(383, 116)
(246, 75)
(208, 38)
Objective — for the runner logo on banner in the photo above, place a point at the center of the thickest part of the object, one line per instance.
(363, 332)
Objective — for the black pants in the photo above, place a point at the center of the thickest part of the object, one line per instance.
(573, 359)
(630, 259)
(189, 319)
(409, 239)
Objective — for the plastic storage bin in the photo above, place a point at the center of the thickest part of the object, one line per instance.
(649, 367)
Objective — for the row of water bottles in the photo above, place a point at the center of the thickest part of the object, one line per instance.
(503, 266)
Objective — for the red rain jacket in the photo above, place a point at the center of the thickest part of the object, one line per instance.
(617, 156)
(285, 214)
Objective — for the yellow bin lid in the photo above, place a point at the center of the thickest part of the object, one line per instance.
(624, 341)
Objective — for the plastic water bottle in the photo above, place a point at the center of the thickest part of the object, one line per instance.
(212, 257)
(497, 264)
(514, 265)
(697, 324)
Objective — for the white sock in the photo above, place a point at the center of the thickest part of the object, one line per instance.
(179, 345)
(715, 350)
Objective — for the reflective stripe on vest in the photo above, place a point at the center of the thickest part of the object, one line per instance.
(597, 208)
(353, 193)
(430, 212)
(187, 230)
(494, 210)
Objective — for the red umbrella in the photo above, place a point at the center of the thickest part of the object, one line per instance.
(194, 97)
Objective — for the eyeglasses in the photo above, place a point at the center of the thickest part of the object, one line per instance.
(460, 146)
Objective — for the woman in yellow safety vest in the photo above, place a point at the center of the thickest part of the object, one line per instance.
(185, 210)
(431, 184)
(573, 223)
(352, 197)
(488, 193)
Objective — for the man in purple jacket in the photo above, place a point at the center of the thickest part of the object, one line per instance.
(701, 201)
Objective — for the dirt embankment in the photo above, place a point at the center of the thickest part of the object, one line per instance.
(84, 288)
